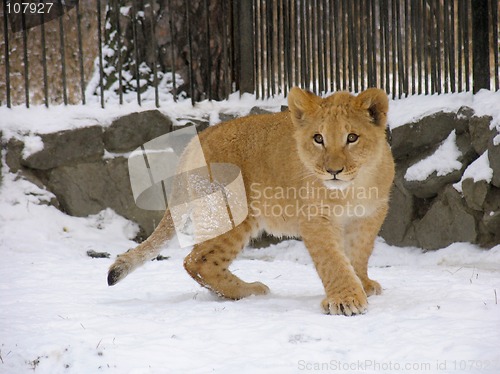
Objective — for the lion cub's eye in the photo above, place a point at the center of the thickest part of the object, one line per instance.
(318, 138)
(351, 138)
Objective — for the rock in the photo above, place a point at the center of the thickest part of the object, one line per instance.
(200, 124)
(475, 193)
(491, 221)
(494, 159)
(1, 157)
(133, 130)
(464, 115)
(224, 117)
(88, 188)
(399, 219)
(447, 221)
(431, 186)
(258, 110)
(67, 147)
(479, 129)
(13, 155)
(408, 140)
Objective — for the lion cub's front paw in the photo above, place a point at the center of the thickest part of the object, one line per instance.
(372, 287)
(346, 303)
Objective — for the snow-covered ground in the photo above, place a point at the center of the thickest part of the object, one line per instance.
(439, 312)
(57, 314)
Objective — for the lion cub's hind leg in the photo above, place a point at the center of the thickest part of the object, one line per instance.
(208, 264)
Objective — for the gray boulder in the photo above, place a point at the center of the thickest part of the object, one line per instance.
(88, 188)
(431, 186)
(494, 159)
(475, 193)
(396, 229)
(133, 130)
(67, 147)
(447, 221)
(13, 155)
(480, 132)
(408, 140)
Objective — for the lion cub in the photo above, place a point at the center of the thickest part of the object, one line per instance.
(322, 172)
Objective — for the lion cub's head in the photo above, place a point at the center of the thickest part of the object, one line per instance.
(340, 135)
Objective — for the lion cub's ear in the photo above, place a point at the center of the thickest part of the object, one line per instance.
(301, 103)
(375, 101)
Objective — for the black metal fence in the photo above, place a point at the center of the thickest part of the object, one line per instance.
(403, 46)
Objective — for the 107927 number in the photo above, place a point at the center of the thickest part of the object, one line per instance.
(35, 8)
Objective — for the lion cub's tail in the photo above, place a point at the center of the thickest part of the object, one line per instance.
(147, 250)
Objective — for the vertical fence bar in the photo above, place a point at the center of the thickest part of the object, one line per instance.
(263, 61)
(337, 36)
(225, 54)
(452, 47)
(269, 49)
(26, 62)
(116, 4)
(190, 50)
(172, 47)
(208, 77)
(136, 51)
(361, 17)
(246, 46)
(343, 15)
(446, 60)
(426, 30)
(63, 56)
(495, 33)
(7, 54)
(467, 46)
(286, 47)
(394, 48)
(433, 41)
(99, 40)
(408, 61)
(387, 44)
(374, 42)
(279, 33)
(44, 60)
(480, 54)
(353, 40)
(369, 43)
(460, 45)
(413, 46)
(155, 53)
(80, 51)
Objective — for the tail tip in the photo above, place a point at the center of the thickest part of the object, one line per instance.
(114, 276)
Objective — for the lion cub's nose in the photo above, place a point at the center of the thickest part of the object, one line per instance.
(334, 173)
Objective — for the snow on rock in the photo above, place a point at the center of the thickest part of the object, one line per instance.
(32, 145)
(479, 170)
(443, 161)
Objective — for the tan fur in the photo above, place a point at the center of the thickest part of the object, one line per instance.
(286, 170)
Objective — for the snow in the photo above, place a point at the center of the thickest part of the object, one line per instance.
(479, 170)
(32, 144)
(439, 310)
(438, 313)
(443, 161)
